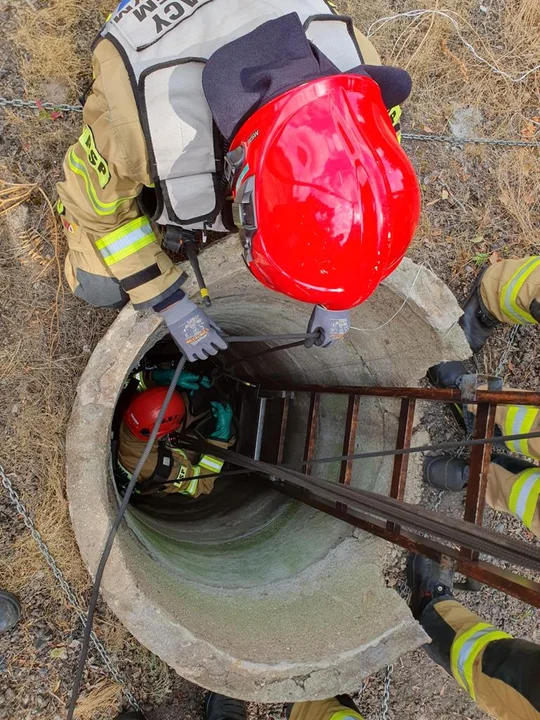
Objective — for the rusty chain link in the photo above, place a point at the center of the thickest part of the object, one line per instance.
(65, 586)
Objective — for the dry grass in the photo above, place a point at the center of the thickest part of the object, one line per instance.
(52, 44)
(101, 701)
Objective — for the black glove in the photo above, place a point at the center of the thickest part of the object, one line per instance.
(192, 330)
(331, 325)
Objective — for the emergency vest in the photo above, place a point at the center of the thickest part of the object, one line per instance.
(165, 45)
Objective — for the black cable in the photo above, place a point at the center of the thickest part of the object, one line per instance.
(395, 451)
(266, 338)
(425, 448)
(125, 502)
(110, 539)
(269, 351)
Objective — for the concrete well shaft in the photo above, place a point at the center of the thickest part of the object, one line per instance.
(255, 596)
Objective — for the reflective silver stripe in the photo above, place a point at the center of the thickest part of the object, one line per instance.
(130, 239)
(465, 652)
(511, 291)
(211, 463)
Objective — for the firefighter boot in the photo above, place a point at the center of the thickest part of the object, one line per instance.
(220, 707)
(428, 581)
(447, 374)
(477, 322)
(445, 472)
(10, 611)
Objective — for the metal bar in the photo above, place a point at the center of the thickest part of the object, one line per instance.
(260, 428)
(401, 462)
(484, 426)
(415, 518)
(283, 427)
(351, 427)
(311, 432)
(502, 397)
(486, 573)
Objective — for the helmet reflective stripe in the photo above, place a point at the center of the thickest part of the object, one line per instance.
(346, 715)
(466, 649)
(508, 300)
(209, 462)
(524, 495)
(519, 421)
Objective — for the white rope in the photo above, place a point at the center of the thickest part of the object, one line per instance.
(381, 22)
(394, 316)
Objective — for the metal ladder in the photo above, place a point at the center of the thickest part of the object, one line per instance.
(264, 418)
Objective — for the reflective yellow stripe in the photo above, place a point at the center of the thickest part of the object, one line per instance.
(209, 462)
(140, 377)
(94, 157)
(124, 470)
(77, 166)
(59, 207)
(395, 116)
(191, 488)
(126, 240)
(508, 300)
(346, 714)
(519, 421)
(466, 649)
(524, 495)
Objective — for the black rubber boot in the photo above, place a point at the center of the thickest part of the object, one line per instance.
(427, 581)
(477, 322)
(220, 707)
(447, 374)
(10, 611)
(512, 463)
(131, 715)
(445, 472)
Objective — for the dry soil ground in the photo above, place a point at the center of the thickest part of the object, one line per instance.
(479, 203)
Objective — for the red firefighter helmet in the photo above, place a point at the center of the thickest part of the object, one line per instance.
(327, 198)
(142, 412)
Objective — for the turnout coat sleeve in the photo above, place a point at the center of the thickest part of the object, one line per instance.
(105, 172)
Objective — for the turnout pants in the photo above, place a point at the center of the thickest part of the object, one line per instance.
(510, 291)
(517, 492)
(500, 674)
(331, 709)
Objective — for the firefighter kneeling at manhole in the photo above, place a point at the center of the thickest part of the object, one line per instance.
(196, 411)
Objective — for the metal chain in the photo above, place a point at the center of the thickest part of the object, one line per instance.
(66, 588)
(19, 103)
(405, 591)
(386, 692)
(422, 137)
(475, 141)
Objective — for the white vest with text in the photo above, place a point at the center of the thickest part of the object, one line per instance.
(165, 44)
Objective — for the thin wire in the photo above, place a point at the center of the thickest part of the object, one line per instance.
(499, 439)
(394, 316)
(110, 539)
(381, 22)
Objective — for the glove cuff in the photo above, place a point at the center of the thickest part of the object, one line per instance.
(178, 310)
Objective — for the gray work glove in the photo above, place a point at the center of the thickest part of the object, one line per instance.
(331, 325)
(192, 330)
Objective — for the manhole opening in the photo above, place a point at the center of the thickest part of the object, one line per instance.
(243, 532)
